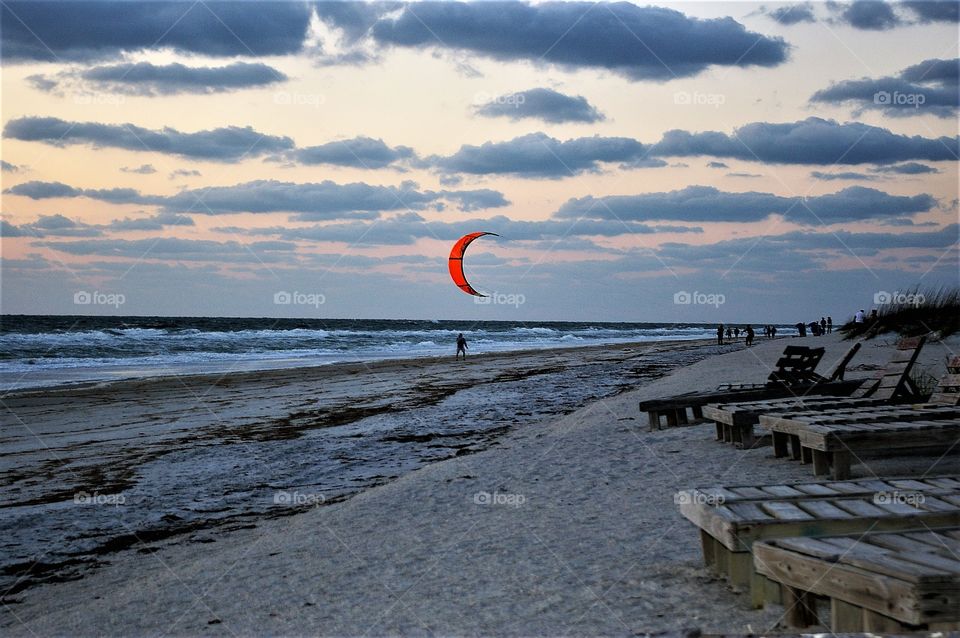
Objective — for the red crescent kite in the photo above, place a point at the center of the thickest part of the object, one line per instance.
(456, 263)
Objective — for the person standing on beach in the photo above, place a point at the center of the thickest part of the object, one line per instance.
(859, 316)
(829, 325)
(720, 335)
(823, 326)
(749, 335)
(736, 333)
(461, 346)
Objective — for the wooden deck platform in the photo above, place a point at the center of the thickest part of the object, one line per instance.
(732, 519)
(875, 582)
(830, 445)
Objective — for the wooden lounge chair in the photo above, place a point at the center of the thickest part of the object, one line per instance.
(732, 519)
(831, 447)
(828, 438)
(735, 420)
(794, 375)
(899, 582)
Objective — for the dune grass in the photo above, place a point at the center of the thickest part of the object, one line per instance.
(912, 313)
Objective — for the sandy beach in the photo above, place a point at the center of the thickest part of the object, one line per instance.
(559, 524)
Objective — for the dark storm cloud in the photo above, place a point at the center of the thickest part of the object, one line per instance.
(228, 144)
(144, 78)
(539, 155)
(790, 14)
(59, 31)
(311, 201)
(543, 104)
(925, 88)
(359, 152)
(640, 43)
(708, 204)
(810, 141)
(907, 168)
(873, 15)
(934, 10)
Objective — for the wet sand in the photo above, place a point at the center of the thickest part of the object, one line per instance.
(566, 526)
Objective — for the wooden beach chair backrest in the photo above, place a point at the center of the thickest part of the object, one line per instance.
(894, 381)
(796, 365)
(947, 391)
(841, 368)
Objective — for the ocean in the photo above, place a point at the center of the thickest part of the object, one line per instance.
(38, 351)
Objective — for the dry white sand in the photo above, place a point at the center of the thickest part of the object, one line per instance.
(583, 539)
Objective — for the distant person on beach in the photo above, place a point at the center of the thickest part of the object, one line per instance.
(859, 317)
(729, 333)
(873, 315)
(736, 333)
(815, 328)
(829, 325)
(823, 326)
(720, 335)
(749, 335)
(461, 346)
(801, 329)
(773, 332)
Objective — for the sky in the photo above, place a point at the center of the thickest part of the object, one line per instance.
(679, 162)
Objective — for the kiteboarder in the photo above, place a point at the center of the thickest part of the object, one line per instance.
(461, 346)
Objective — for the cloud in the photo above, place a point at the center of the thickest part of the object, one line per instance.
(178, 249)
(745, 175)
(479, 199)
(907, 168)
(541, 156)
(708, 204)
(843, 175)
(58, 31)
(228, 144)
(795, 251)
(310, 201)
(640, 43)
(934, 10)
(405, 230)
(154, 222)
(790, 14)
(10, 230)
(873, 15)
(7, 167)
(543, 104)
(716, 165)
(144, 78)
(359, 152)
(143, 169)
(184, 172)
(926, 88)
(810, 141)
(55, 225)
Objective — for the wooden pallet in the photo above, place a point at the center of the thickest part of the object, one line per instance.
(675, 408)
(830, 446)
(735, 421)
(732, 519)
(685, 409)
(875, 582)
